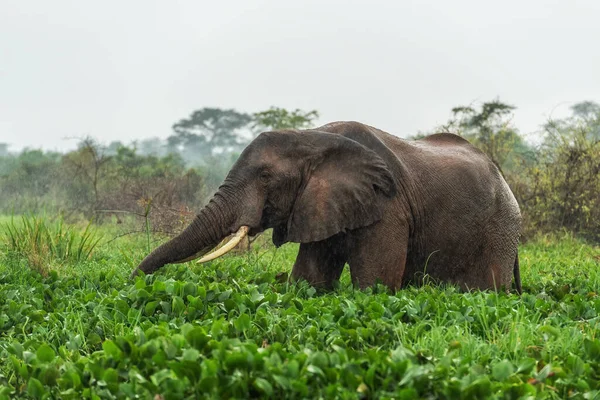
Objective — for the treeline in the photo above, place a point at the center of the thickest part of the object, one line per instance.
(158, 182)
(555, 175)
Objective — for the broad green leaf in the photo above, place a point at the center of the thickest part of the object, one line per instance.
(264, 386)
(111, 349)
(35, 388)
(190, 354)
(197, 337)
(190, 289)
(236, 360)
(315, 370)
(592, 348)
(242, 323)
(142, 294)
(526, 365)
(178, 306)
(502, 370)
(150, 307)
(111, 375)
(45, 353)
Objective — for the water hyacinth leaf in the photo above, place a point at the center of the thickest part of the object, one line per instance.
(142, 294)
(111, 349)
(35, 388)
(282, 381)
(93, 338)
(190, 355)
(502, 370)
(162, 375)
(158, 286)
(190, 289)
(263, 386)
(45, 353)
(544, 373)
(256, 296)
(592, 347)
(178, 306)
(197, 337)
(242, 323)
(110, 375)
(245, 335)
(16, 349)
(313, 369)
(526, 365)
(150, 307)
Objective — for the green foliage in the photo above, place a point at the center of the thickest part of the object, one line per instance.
(27, 181)
(150, 180)
(207, 131)
(42, 242)
(560, 190)
(492, 131)
(100, 183)
(229, 329)
(279, 118)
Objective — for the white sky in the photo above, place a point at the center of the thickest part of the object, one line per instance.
(125, 70)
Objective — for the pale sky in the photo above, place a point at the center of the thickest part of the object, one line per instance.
(125, 70)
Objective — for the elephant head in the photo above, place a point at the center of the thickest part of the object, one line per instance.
(306, 185)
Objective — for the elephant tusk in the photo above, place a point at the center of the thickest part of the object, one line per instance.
(239, 235)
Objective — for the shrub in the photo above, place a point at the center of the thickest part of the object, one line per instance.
(561, 189)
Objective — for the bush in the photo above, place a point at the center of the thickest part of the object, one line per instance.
(561, 189)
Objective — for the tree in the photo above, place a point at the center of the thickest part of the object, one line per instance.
(584, 123)
(152, 146)
(208, 131)
(490, 129)
(27, 179)
(113, 147)
(280, 118)
(86, 167)
(562, 187)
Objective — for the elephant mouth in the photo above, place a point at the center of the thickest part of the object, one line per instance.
(268, 220)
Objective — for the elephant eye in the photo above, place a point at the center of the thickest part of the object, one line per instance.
(265, 176)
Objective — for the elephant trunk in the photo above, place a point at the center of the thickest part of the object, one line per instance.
(211, 225)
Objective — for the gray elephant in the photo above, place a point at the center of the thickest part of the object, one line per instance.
(394, 210)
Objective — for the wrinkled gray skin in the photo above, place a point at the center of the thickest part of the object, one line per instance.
(394, 210)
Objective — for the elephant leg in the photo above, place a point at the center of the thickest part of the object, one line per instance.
(379, 255)
(321, 263)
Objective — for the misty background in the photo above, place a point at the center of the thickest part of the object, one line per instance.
(134, 112)
(130, 70)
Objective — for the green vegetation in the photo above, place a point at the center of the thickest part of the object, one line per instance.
(42, 243)
(234, 328)
(73, 326)
(149, 183)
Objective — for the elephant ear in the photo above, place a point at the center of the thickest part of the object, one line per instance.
(343, 192)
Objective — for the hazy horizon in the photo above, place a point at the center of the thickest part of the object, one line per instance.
(128, 71)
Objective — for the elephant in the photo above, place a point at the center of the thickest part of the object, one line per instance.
(397, 211)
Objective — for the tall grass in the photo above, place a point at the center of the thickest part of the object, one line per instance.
(43, 242)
